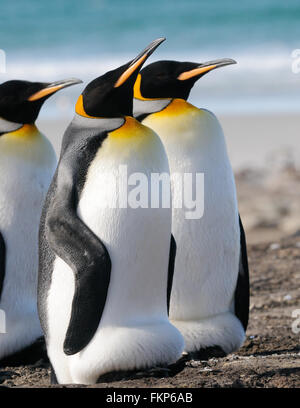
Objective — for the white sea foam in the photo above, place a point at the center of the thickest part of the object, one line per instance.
(261, 81)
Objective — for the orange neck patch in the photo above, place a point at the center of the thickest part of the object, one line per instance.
(129, 129)
(25, 132)
(132, 133)
(176, 107)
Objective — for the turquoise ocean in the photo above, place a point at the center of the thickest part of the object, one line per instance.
(51, 40)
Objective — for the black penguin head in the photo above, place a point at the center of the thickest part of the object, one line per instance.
(111, 94)
(21, 101)
(173, 79)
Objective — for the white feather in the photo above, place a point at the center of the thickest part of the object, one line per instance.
(26, 168)
(208, 249)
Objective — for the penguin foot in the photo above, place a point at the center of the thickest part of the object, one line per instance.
(35, 354)
(168, 371)
(156, 372)
(207, 353)
(159, 372)
(202, 336)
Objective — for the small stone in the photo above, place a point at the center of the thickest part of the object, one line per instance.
(234, 357)
(274, 246)
(287, 297)
(194, 363)
(213, 360)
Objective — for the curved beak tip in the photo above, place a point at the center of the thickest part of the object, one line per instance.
(233, 61)
(67, 82)
(53, 87)
(76, 80)
(138, 61)
(160, 40)
(227, 61)
(153, 45)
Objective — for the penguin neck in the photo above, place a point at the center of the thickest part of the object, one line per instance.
(178, 116)
(144, 107)
(186, 130)
(177, 107)
(7, 126)
(102, 124)
(18, 130)
(27, 145)
(131, 128)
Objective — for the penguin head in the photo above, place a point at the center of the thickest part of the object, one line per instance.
(111, 94)
(21, 101)
(172, 79)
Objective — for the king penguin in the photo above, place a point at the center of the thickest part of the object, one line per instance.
(105, 268)
(210, 293)
(27, 165)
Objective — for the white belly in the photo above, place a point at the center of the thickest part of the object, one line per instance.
(24, 182)
(208, 248)
(138, 244)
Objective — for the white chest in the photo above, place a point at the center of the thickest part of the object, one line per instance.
(207, 248)
(137, 239)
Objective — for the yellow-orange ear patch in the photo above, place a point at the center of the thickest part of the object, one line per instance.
(79, 109)
(195, 72)
(137, 91)
(137, 88)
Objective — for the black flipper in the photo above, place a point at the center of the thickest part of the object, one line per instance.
(77, 245)
(2, 262)
(242, 292)
(172, 257)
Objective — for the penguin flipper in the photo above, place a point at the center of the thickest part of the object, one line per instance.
(242, 292)
(2, 262)
(171, 267)
(83, 251)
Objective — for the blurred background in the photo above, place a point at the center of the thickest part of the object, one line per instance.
(257, 100)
